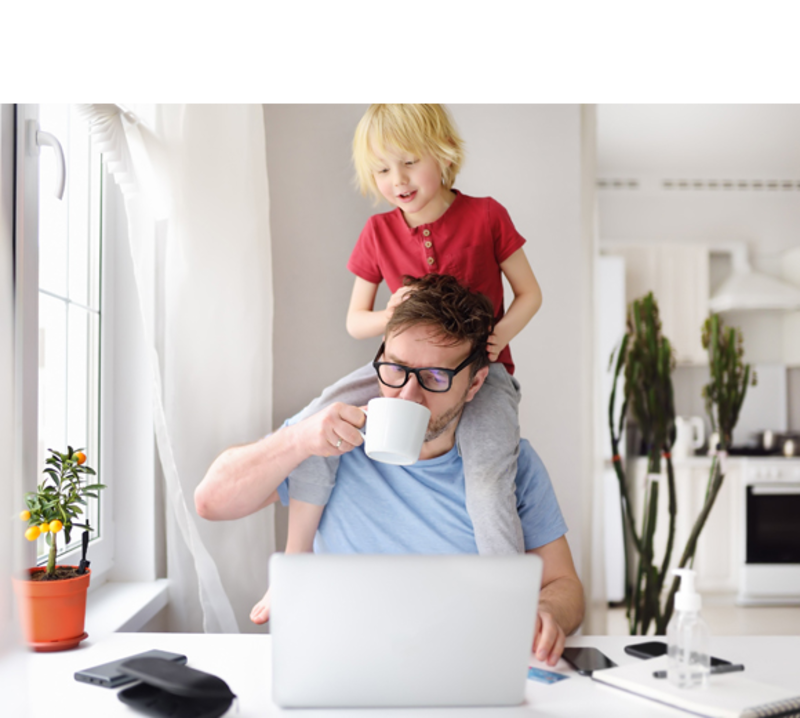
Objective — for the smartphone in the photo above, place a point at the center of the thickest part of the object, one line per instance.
(585, 660)
(652, 649)
(110, 675)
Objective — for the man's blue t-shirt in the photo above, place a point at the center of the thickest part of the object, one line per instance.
(380, 508)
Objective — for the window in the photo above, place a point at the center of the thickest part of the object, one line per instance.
(69, 301)
(58, 297)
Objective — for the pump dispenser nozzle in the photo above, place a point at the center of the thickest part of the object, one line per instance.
(687, 599)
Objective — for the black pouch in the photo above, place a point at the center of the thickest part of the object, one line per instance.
(173, 690)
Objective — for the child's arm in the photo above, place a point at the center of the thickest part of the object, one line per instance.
(362, 321)
(303, 522)
(527, 300)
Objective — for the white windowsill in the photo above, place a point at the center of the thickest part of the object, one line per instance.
(117, 606)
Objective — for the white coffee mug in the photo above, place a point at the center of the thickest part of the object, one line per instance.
(395, 430)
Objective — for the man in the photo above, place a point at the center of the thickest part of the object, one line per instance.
(378, 508)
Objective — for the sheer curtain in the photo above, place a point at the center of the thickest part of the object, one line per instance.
(194, 182)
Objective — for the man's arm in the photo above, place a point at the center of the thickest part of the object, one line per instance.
(561, 604)
(243, 479)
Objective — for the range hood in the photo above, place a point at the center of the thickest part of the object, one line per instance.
(751, 290)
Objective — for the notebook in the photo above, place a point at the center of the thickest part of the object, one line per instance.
(728, 695)
(389, 631)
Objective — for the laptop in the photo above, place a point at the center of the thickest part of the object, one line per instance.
(361, 631)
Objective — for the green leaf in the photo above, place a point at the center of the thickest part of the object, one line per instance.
(95, 486)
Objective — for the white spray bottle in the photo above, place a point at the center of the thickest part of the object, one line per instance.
(687, 636)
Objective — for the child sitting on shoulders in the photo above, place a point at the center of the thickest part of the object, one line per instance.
(410, 156)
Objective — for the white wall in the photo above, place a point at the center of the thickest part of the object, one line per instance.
(748, 143)
(738, 143)
(526, 156)
(768, 222)
(316, 216)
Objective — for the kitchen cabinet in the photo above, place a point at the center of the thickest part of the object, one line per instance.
(717, 558)
(791, 340)
(790, 267)
(678, 276)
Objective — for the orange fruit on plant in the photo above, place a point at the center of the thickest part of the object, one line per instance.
(32, 533)
(80, 457)
(24, 515)
(56, 526)
(44, 528)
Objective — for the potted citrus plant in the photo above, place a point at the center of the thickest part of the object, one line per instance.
(52, 599)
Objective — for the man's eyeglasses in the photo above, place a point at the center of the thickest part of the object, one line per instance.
(435, 379)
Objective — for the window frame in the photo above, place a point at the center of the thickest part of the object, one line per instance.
(104, 551)
(132, 525)
(81, 226)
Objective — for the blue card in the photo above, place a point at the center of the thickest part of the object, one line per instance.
(538, 674)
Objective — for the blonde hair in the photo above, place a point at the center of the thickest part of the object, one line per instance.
(416, 129)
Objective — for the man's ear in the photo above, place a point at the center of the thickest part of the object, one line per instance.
(477, 382)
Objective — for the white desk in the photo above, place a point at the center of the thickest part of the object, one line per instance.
(44, 683)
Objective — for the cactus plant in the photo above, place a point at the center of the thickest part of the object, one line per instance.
(724, 396)
(644, 358)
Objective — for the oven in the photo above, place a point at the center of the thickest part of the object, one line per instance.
(770, 544)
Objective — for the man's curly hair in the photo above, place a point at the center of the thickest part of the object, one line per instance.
(453, 312)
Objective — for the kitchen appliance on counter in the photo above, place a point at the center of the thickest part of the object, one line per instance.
(790, 445)
(770, 549)
(690, 435)
(770, 443)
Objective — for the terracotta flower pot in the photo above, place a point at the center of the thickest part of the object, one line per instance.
(52, 612)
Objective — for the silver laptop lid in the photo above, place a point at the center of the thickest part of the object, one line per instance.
(390, 631)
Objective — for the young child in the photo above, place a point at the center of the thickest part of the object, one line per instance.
(410, 155)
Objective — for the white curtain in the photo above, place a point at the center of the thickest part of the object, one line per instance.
(194, 182)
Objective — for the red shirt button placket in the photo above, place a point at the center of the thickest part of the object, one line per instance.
(429, 247)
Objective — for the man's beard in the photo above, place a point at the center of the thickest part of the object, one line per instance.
(438, 425)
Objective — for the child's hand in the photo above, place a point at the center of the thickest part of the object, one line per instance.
(260, 612)
(494, 347)
(396, 299)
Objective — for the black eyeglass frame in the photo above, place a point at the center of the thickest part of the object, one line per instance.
(450, 373)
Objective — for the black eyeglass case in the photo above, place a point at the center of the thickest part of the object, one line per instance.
(171, 690)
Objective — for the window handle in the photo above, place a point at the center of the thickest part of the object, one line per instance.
(45, 139)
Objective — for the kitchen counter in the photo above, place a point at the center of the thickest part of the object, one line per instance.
(720, 555)
(705, 461)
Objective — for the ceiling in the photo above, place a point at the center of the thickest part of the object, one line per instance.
(699, 141)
